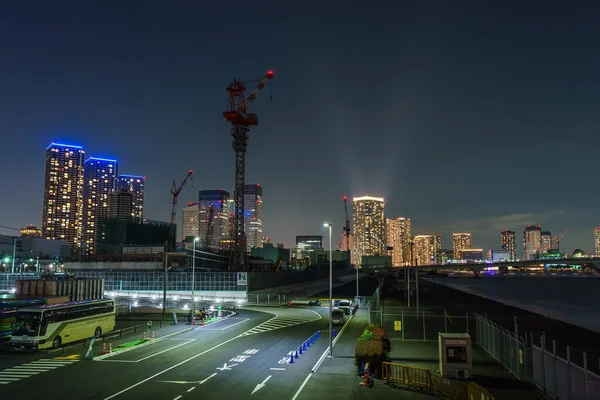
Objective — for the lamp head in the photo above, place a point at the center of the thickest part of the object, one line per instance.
(326, 225)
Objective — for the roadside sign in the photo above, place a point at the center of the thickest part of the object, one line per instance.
(174, 318)
(149, 325)
(397, 325)
(242, 279)
(89, 353)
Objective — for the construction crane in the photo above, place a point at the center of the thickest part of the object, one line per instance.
(209, 227)
(347, 232)
(239, 118)
(175, 191)
(557, 239)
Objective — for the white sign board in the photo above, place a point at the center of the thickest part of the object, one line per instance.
(242, 278)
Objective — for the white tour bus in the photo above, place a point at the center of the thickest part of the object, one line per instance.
(57, 324)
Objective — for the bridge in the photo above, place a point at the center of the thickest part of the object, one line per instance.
(586, 262)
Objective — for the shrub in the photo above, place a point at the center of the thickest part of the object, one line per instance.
(373, 348)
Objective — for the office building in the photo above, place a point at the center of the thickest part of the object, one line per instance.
(426, 248)
(63, 193)
(99, 181)
(597, 241)
(398, 238)
(471, 255)
(532, 240)
(135, 185)
(508, 242)
(120, 205)
(546, 242)
(190, 222)
(309, 242)
(213, 218)
(369, 227)
(31, 231)
(253, 215)
(499, 255)
(460, 241)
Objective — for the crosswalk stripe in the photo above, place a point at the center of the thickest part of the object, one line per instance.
(9, 379)
(25, 371)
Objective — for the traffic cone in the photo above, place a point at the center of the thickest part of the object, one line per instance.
(304, 345)
(152, 335)
(291, 359)
(110, 347)
(193, 320)
(296, 356)
(300, 349)
(144, 336)
(103, 348)
(308, 343)
(202, 321)
(334, 333)
(318, 334)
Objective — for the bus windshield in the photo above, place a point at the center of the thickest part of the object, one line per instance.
(27, 323)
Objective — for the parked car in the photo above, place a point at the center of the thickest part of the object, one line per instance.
(345, 305)
(314, 303)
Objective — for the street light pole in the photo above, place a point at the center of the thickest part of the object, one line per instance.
(330, 293)
(193, 277)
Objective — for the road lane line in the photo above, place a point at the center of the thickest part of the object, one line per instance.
(201, 382)
(170, 368)
(302, 386)
(192, 388)
(163, 351)
(237, 323)
(178, 397)
(278, 369)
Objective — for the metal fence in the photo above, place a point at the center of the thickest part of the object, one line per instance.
(534, 359)
(268, 299)
(410, 324)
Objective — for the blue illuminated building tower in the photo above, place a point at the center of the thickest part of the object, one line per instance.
(253, 214)
(99, 181)
(213, 227)
(63, 193)
(135, 185)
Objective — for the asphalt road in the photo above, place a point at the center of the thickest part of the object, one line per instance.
(231, 358)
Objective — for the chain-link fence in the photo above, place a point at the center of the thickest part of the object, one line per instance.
(410, 324)
(268, 299)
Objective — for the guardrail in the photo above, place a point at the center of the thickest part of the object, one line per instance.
(423, 379)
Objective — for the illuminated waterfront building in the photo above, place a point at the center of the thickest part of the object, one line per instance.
(398, 237)
(190, 222)
(135, 185)
(99, 181)
(532, 240)
(597, 241)
(508, 242)
(460, 241)
(63, 193)
(426, 248)
(545, 242)
(369, 227)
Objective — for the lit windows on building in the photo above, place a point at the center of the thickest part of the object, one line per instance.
(597, 241)
(31, 231)
(253, 215)
(135, 185)
(369, 227)
(190, 222)
(508, 242)
(532, 242)
(213, 218)
(460, 241)
(545, 242)
(63, 193)
(426, 248)
(398, 238)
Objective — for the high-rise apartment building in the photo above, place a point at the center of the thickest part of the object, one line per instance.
(369, 227)
(508, 242)
(99, 181)
(398, 237)
(426, 248)
(460, 241)
(120, 205)
(253, 215)
(135, 185)
(213, 213)
(190, 222)
(597, 241)
(63, 193)
(545, 241)
(532, 241)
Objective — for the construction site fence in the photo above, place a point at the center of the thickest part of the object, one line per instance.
(413, 324)
(535, 359)
(424, 380)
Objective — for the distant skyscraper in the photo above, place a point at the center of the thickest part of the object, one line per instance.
(99, 181)
(398, 237)
(31, 231)
(508, 242)
(134, 184)
(253, 215)
(120, 205)
(190, 222)
(369, 227)
(546, 241)
(217, 200)
(63, 193)
(532, 240)
(597, 241)
(426, 248)
(460, 241)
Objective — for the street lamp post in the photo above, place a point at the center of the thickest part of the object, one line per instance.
(193, 277)
(330, 293)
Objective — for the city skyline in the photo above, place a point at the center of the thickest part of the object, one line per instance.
(140, 90)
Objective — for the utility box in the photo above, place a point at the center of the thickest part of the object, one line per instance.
(455, 355)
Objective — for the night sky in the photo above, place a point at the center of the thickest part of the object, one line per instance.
(464, 115)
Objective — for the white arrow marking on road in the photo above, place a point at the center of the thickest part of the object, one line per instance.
(260, 385)
(201, 382)
(225, 367)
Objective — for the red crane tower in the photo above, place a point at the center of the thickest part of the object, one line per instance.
(347, 231)
(237, 114)
(175, 191)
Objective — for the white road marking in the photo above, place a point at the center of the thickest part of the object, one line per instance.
(192, 388)
(260, 385)
(202, 382)
(163, 351)
(24, 371)
(278, 369)
(178, 397)
(237, 323)
(170, 368)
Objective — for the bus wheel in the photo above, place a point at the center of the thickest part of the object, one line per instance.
(98, 332)
(56, 342)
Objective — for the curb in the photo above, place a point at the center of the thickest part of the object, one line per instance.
(191, 328)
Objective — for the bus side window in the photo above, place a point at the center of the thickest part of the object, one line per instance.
(43, 327)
